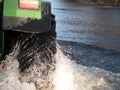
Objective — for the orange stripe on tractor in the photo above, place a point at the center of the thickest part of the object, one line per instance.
(29, 6)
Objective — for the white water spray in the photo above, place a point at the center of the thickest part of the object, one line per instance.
(71, 76)
(9, 78)
(67, 76)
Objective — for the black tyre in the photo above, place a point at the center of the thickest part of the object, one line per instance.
(36, 55)
(32, 44)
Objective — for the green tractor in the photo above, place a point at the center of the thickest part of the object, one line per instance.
(30, 24)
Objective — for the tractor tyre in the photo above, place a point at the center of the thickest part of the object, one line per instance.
(36, 54)
(42, 44)
(32, 44)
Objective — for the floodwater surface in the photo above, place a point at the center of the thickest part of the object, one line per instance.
(89, 24)
(87, 58)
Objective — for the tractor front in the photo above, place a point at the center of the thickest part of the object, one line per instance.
(31, 24)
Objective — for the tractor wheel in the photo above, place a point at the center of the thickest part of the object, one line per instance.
(43, 44)
(36, 54)
(32, 44)
(36, 57)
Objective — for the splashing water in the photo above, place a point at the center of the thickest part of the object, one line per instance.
(12, 79)
(9, 78)
(67, 76)
(71, 76)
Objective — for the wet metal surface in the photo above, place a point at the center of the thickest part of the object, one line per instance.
(88, 24)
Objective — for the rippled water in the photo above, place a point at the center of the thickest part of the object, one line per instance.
(89, 24)
(67, 76)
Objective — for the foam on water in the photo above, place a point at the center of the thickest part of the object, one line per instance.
(67, 76)
(71, 76)
(9, 78)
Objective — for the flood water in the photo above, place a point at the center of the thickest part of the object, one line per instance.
(87, 57)
(89, 24)
(68, 76)
(90, 36)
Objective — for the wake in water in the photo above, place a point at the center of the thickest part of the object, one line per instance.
(71, 76)
(67, 76)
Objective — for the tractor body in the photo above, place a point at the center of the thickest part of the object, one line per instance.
(31, 16)
(19, 17)
(29, 26)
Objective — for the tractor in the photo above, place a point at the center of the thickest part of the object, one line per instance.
(31, 24)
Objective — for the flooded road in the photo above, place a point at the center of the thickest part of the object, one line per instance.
(89, 24)
(68, 74)
(90, 36)
(88, 52)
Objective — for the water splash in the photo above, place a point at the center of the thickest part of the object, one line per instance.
(71, 76)
(37, 76)
(9, 78)
(67, 76)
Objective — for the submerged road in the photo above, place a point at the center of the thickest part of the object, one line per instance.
(90, 36)
(88, 24)
(91, 33)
